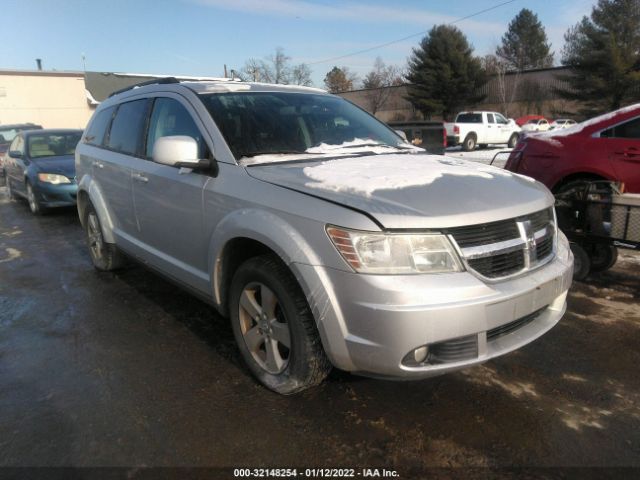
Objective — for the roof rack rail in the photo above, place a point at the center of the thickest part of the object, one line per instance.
(155, 81)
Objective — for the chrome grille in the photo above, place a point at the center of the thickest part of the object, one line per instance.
(500, 249)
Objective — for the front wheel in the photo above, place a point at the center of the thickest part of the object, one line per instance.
(513, 140)
(10, 192)
(274, 327)
(34, 204)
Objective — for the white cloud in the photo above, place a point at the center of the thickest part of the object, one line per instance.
(348, 11)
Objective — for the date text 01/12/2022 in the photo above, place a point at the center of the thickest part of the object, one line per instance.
(314, 473)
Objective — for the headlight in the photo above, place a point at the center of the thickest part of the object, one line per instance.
(373, 252)
(53, 178)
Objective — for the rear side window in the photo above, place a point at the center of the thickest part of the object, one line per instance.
(469, 118)
(125, 135)
(625, 130)
(98, 128)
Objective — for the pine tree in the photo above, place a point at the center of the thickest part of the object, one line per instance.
(524, 45)
(444, 74)
(603, 53)
(339, 80)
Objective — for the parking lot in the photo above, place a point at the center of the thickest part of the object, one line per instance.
(128, 370)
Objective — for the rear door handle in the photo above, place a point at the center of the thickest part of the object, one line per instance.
(139, 177)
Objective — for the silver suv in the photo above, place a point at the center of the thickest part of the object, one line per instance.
(323, 235)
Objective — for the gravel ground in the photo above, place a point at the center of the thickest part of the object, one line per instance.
(127, 370)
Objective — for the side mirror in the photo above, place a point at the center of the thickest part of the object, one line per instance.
(15, 154)
(178, 151)
(403, 135)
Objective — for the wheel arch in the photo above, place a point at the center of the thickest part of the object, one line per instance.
(572, 177)
(89, 192)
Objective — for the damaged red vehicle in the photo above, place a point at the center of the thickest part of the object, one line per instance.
(603, 148)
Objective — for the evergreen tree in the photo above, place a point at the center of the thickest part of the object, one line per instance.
(603, 53)
(444, 74)
(524, 45)
(339, 80)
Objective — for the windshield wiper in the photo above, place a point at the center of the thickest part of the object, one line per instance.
(277, 152)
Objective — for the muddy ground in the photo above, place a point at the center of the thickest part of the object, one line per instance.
(127, 370)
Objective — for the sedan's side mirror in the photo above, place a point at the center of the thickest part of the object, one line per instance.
(178, 151)
(15, 154)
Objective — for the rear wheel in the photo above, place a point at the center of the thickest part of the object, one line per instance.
(581, 262)
(34, 204)
(104, 256)
(602, 256)
(513, 140)
(274, 327)
(469, 143)
(10, 192)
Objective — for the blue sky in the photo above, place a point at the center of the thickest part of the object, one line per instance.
(197, 37)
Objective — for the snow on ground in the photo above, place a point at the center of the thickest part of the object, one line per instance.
(481, 155)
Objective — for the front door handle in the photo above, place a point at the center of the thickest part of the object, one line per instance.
(98, 164)
(139, 177)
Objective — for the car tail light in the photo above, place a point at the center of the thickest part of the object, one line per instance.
(444, 137)
(456, 130)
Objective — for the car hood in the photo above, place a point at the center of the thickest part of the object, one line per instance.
(412, 190)
(61, 165)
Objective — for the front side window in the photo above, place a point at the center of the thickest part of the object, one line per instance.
(501, 119)
(52, 144)
(17, 145)
(257, 123)
(490, 118)
(170, 117)
(629, 129)
(98, 128)
(125, 135)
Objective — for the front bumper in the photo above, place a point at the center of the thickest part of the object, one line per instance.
(50, 195)
(369, 323)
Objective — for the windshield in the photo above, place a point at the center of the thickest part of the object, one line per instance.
(272, 123)
(53, 144)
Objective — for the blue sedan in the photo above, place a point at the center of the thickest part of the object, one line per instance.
(40, 167)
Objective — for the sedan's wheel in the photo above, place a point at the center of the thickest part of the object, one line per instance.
(104, 256)
(274, 327)
(34, 205)
(12, 195)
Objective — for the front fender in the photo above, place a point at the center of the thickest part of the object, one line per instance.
(264, 227)
(90, 187)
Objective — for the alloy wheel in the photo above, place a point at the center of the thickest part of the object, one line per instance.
(264, 327)
(94, 236)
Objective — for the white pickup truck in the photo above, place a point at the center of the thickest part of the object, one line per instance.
(481, 128)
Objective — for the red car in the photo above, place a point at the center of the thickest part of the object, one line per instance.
(603, 148)
(523, 120)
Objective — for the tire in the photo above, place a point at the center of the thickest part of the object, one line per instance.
(105, 256)
(34, 204)
(513, 140)
(469, 142)
(10, 192)
(602, 257)
(3, 179)
(283, 352)
(581, 262)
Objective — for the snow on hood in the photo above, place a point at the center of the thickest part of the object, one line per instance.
(412, 191)
(391, 172)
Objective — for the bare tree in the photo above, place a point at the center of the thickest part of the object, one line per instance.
(507, 85)
(377, 82)
(276, 69)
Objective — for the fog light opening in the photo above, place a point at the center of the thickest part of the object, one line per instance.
(416, 357)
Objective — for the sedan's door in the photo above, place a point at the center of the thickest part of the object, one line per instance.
(14, 167)
(622, 142)
(168, 200)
